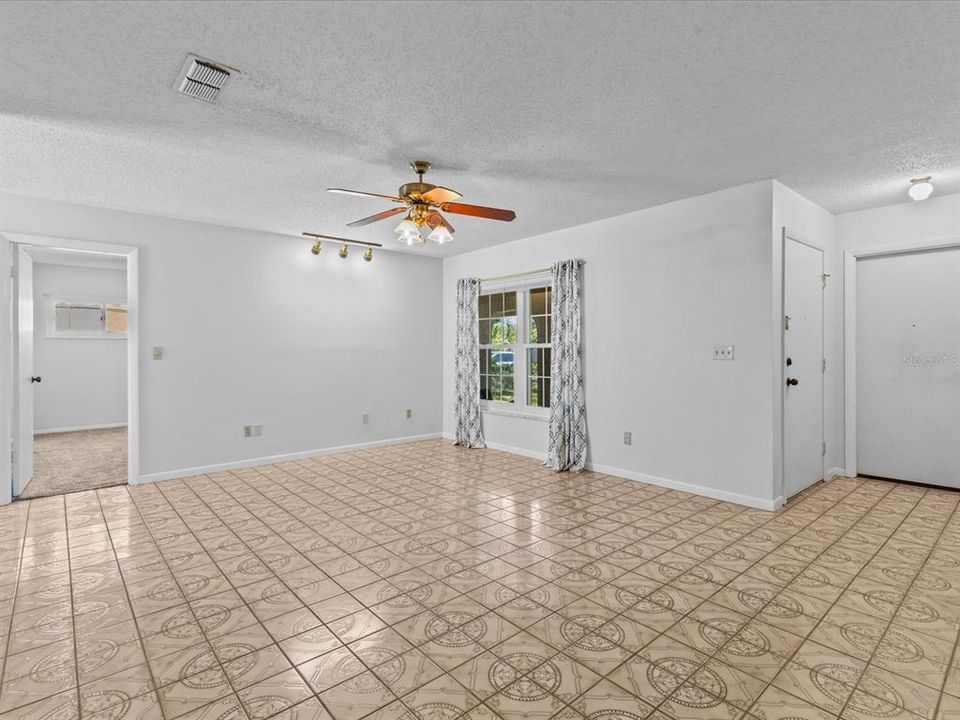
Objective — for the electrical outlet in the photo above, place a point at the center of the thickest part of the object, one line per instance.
(409, 413)
(723, 352)
(252, 431)
(364, 419)
(627, 438)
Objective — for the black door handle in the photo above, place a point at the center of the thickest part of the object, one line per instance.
(36, 379)
(792, 381)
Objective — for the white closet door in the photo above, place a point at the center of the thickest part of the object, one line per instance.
(908, 366)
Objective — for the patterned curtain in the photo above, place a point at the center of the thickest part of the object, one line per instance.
(568, 425)
(467, 404)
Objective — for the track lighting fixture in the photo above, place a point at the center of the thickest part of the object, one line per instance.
(317, 238)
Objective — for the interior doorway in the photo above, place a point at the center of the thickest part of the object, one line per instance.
(74, 367)
(908, 366)
(803, 365)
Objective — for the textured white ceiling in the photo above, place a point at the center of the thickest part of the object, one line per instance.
(565, 112)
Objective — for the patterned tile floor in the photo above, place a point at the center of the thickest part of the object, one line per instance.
(426, 582)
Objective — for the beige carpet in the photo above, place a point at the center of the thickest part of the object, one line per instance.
(72, 461)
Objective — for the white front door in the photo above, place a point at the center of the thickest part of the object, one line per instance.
(803, 366)
(24, 379)
(908, 366)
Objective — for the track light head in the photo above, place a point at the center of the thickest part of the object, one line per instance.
(317, 247)
(344, 251)
(368, 255)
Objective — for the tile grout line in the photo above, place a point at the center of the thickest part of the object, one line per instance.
(73, 613)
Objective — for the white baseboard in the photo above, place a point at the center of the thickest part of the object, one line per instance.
(836, 472)
(51, 431)
(271, 459)
(702, 490)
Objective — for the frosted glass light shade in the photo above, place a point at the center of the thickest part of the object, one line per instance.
(920, 189)
(440, 235)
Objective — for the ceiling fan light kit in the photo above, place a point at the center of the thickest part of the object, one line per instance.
(423, 204)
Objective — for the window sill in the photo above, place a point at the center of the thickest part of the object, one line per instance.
(510, 412)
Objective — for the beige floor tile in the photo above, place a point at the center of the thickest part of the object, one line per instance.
(685, 604)
(273, 695)
(331, 668)
(443, 693)
(357, 697)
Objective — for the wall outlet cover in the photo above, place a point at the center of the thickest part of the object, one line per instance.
(365, 418)
(628, 438)
(723, 352)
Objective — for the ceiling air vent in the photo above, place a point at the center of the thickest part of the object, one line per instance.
(203, 79)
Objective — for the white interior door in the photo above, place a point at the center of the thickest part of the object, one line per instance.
(908, 366)
(803, 366)
(24, 378)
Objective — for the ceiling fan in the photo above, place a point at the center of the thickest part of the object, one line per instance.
(423, 204)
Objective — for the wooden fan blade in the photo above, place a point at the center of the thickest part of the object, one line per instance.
(440, 195)
(434, 219)
(360, 193)
(379, 216)
(479, 211)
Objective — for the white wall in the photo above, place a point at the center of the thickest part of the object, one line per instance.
(257, 330)
(84, 379)
(661, 288)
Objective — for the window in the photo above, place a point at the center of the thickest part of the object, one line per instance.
(85, 319)
(498, 346)
(515, 346)
(537, 347)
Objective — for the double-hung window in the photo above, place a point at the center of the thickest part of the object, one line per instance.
(515, 346)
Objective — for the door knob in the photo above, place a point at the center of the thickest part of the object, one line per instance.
(36, 379)
(792, 381)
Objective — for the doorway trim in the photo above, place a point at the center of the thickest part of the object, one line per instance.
(131, 254)
(780, 396)
(850, 258)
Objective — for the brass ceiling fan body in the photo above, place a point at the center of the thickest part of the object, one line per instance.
(423, 203)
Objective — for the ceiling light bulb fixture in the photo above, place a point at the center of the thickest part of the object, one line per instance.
(408, 232)
(440, 235)
(921, 188)
(368, 255)
(344, 251)
(317, 247)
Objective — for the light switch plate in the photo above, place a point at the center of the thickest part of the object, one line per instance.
(364, 419)
(158, 352)
(723, 352)
(627, 438)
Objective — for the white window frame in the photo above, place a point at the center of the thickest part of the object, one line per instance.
(519, 406)
(51, 309)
